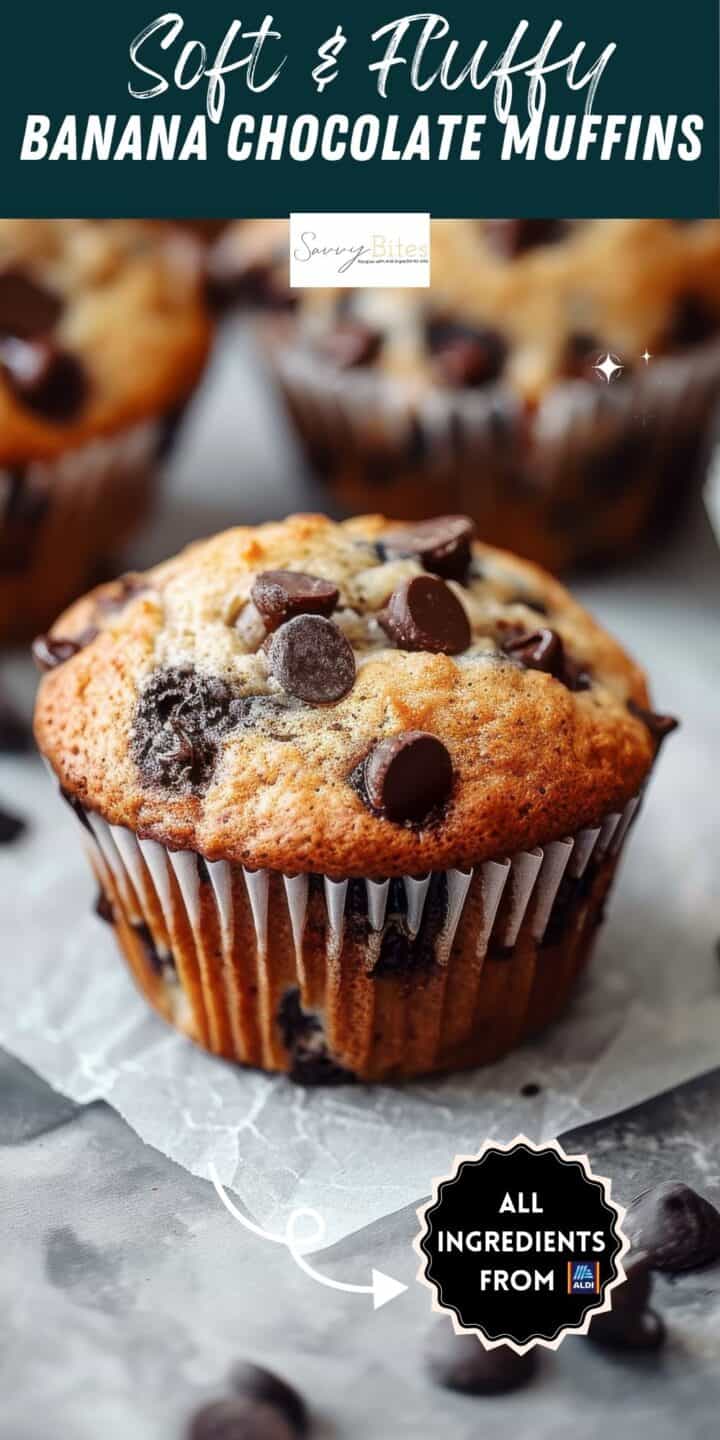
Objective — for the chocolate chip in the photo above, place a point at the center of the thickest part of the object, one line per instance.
(279, 595)
(443, 545)
(238, 1419)
(233, 280)
(630, 1324)
(49, 651)
(465, 356)
(181, 720)
(47, 379)
(303, 1036)
(351, 344)
(510, 238)
(408, 776)
(312, 660)
(530, 1090)
(425, 614)
(153, 958)
(11, 827)
(677, 1228)
(15, 735)
(660, 726)
(26, 307)
(103, 908)
(461, 1362)
(543, 650)
(692, 322)
(254, 1382)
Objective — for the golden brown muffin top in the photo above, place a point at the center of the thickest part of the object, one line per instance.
(400, 702)
(102, 324)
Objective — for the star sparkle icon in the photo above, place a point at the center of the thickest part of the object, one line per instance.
(647, 357)
(609, 367)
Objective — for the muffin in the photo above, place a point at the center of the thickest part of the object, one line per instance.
(354, 794)
(483, 394)
(249, 266)
(103, 335)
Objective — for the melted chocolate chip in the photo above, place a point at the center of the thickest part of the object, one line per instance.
(181, 720)
(351, 344)
(239, 1419)
(254, 1382)
(544, 650)
(408, 776)
(660, 726)
(103, 908)
(279, 595)
(425, 614)
(461, 1362)
(11, 827)
(15, 735)
(692, 322)
(677, 1228)
(443, 545)
(49, 651)
(312, 660)
(47, 379)
(27, 308)
(465, 356)
(303, 1036)
(510, 238)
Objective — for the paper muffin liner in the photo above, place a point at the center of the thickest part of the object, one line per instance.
(595, 472)
(333, 980)
(59, 519)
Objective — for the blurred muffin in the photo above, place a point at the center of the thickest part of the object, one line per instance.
(249, 266)
(354, 794)
(103, 335)
(484, 394)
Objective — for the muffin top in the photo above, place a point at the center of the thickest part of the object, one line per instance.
(529, 303)
(351, 699)
(102, 324)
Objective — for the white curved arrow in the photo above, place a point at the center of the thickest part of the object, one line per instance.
(383, 1288)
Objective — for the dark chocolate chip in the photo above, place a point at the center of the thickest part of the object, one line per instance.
(644, 1331)
(461, 1362)
(239, 1419)
(27, 308)
(44, 377)
(312, 660)
(514, 237)
(303, 1036)
(660, 726)
(104, 909)
(465, 356)
(443, 545)
(15, 735)
(425, 614)
(232, 281)
(181, 720)
(677, 1228)
(530, 1090)
(692, 322)
(351, 344)
(49, 651)
(254, 1382)
(408, 776)
(543, 650)
(279, 595)
(11, 827)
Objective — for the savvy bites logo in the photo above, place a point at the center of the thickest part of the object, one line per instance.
(365, 250)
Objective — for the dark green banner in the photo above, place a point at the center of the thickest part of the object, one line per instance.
(227, 110)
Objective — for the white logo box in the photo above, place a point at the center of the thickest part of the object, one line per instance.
(364, 250)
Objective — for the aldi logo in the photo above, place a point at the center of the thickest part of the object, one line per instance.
(583, 1277)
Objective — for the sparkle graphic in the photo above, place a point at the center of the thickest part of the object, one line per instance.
(608, 368)
(647, 357)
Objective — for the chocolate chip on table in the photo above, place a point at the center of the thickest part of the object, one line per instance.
(239, 1419)
(44, 377)
(660, 726)
(677, 1228)
(49, 651)
(181, 719)
(279, 595)
(11, 827)
(442, 545)
(630, 1324)
(465, 356)
(461, 1362)
(254, 1382)
(514, 237)
(408, 776)
(351, 344)
(312, 660)
(543, 649)
(27, 308)
(530, 1090)
(425, 614)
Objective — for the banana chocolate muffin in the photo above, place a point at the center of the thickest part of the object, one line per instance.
(354, 794)
(103, 335)
(559, 382)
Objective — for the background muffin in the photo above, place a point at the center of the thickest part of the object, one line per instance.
(354, 795)
(103, 334)
(482, 394)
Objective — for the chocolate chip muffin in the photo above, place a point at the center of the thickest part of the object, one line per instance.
(354, 794)
(249, 267)
(558, 381)
(103, 334)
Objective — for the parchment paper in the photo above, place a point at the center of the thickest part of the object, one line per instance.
(647, 1017)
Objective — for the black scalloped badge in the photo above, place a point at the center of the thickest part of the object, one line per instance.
(521, 1245)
